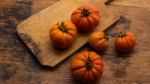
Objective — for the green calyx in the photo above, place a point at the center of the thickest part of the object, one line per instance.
(62, 27)
(106, 37)
(85, 12)
(121, 34)
(89, 63)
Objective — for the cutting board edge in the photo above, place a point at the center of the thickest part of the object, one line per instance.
(24, 39)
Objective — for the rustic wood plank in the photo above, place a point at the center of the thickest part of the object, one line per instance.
(132, 3)
(18, 66)
(43, 4)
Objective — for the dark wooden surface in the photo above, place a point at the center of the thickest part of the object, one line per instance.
(18, 66)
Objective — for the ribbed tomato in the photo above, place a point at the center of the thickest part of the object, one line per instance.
(62, 34)
(86, 66)
(98, 41)
(125, 42)
(85, 18)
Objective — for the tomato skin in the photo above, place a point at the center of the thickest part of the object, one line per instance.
(126, 42)
(62, 34)
(98, 41)
(79, 68)
(85, 18)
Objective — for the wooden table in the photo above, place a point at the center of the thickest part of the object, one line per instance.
(18, 66)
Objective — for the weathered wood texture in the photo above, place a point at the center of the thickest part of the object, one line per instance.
(18, 66)
(132, 3)
(35, 30)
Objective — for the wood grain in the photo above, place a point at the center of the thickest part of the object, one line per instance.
(18, 66)
(133, 3)
(34, 31)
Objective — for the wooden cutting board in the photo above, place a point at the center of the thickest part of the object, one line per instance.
(35, 30)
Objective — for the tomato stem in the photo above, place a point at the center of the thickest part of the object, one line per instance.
(122, 34)
(106, 37)
(62, 27)
(85, 12)
(89, 63)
